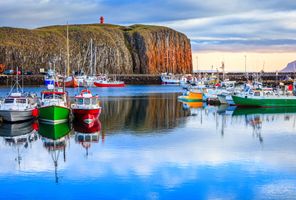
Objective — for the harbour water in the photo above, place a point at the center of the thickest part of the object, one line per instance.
(150, 146)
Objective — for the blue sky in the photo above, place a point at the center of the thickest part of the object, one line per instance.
(212, 25)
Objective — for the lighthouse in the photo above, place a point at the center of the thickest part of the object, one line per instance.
(101, 20)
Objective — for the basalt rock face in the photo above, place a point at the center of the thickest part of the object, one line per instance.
(137, 49)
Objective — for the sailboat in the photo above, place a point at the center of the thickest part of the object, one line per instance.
(17, 105)
(88, 81)
(70, 81)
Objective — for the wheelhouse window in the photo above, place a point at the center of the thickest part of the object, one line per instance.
(20, 100)
(257, 94)
(94, 101)
(87, 101)
(8, 100)
(79, 101)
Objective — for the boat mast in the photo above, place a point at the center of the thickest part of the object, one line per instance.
(246, 66)
(95, 63)
(167, 46)
(17, 81)
(68, 52)
(91, 57)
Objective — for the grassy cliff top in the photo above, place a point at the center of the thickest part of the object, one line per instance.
(20, 37)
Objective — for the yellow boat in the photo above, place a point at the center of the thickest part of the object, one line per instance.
(193, 96)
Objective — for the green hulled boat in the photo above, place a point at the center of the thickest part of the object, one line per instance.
(54, 108)
(54, 131)
(258, 99)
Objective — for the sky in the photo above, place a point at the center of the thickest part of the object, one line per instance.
(219, 30)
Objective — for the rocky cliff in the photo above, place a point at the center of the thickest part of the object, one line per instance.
(138, 49)
(291, 67)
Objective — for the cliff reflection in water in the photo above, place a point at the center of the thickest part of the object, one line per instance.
(143, 113)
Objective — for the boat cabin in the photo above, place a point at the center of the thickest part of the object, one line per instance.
(53, 97)
(17, 100)
(86, 100)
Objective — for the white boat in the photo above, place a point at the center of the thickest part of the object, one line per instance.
(169, 78)
(104, 81)
(18, 106)
(225, 98)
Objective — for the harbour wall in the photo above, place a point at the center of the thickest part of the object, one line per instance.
(270, 78)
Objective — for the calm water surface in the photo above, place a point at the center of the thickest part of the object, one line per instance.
(150, 146)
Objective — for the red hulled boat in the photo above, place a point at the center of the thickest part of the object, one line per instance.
(109, 84)
(104, 81)
(86, 108)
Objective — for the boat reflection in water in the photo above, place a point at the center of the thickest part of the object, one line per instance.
(19, 135)
(256, 117)
(193, 107)
(54, 138)
(86, 134)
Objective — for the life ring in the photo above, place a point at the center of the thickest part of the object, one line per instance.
(85, 91)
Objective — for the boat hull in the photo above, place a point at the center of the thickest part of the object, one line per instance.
(72, 84)
(264, 102)
(170, 82)
(225, 99)
(86, 115)
(54, 114)
(186, 99)
(16, 116)
(97, 84)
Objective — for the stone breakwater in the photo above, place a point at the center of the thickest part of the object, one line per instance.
(39, 79)
(267, 78)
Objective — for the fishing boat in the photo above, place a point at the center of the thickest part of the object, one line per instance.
(86, 107)
(169, 79)
(49, 78)
(54, 106)
(104, 81)
(192, 96)
(17, 105)
(259, 98)
(71, 82)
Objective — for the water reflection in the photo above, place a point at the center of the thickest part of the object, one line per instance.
(54, 138)
(19, 136)
(159, 112)
(86, 134)
(209, 151)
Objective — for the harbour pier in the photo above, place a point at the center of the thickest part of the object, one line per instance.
(270, 78)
